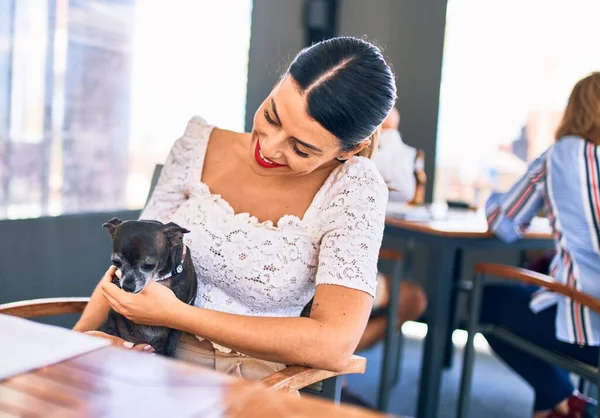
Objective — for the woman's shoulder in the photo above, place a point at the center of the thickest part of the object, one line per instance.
(357, 182)
(570, 146)
(196, 131)
(192, 143)
(569, 141)
(361, 173)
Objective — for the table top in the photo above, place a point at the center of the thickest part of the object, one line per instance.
(113, 381)
(456, 224)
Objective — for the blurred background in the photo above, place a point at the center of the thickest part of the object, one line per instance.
(94, 92)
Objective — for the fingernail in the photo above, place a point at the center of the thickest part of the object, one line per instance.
(128, 344)
(148, 348)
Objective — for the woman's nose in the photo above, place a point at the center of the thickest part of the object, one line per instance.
(273, 146)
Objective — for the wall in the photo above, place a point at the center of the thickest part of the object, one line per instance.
(65, 256)
(412, 36)
(411, 33)
(275, 39)
(54, 257)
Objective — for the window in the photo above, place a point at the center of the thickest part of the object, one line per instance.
(508, 68)
(93, 94)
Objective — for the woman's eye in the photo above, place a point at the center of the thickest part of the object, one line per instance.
(269, 119)
(300, 153)
(148, 267)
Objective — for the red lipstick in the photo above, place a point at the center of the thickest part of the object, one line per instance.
(262, 160)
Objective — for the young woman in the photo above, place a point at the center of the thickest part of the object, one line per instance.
(292, 210)
(564, 181)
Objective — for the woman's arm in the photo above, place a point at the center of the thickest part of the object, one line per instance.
(510, 213)
(166, 198)
(352, 230)
(326, 340)
(96, 311)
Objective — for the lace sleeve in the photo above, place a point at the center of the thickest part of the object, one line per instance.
(171, 189)
(353, 223)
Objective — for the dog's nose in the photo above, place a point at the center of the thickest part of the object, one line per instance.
(129, 286)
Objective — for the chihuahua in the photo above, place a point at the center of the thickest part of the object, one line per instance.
(147, 251)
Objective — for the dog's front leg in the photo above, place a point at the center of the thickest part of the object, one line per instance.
(109, 327)
(171, 344)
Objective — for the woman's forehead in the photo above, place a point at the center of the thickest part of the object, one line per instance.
(291, 107)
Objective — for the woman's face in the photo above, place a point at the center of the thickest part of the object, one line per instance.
(286, 141)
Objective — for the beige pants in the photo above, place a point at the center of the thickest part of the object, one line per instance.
(204, 354)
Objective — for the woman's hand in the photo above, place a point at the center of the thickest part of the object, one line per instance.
(121, 342)
(152, 306)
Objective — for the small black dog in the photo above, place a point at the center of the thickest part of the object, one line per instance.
(145, 251)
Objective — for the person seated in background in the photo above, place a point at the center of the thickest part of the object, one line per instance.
(395, 160)
(396, 163)
(564, 181)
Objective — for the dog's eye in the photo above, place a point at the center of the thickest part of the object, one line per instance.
(117, 263)
(148, 266)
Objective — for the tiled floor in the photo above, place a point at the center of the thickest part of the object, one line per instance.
(497, 392)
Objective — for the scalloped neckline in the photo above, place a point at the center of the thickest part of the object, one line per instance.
(225, 205)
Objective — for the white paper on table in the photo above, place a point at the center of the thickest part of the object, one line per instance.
(408, 212)
(28, 345)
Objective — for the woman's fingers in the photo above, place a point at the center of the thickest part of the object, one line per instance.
(113, 303)
(110, 273)
(146, 348)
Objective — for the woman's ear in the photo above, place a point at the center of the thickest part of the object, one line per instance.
(356, 150)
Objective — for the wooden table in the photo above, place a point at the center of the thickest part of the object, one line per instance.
(446, 240)
(115, 382)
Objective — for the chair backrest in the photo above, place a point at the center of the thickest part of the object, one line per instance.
(155, 176)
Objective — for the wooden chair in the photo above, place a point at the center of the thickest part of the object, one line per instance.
(393, 341)
(292, 378)
(584, 370)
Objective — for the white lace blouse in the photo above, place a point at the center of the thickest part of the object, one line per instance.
(251, 268)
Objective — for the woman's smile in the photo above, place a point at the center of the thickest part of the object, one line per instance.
(264, 161)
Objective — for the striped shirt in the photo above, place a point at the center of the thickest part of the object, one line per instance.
(564, 181)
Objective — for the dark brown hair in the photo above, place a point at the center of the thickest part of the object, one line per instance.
(349, 88)
(582, 115)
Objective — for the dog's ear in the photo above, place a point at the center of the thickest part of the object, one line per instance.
(112, 225)
(174, 233)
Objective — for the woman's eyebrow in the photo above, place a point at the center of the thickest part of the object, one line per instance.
(309, 146)
(304, 144)
(275, 110)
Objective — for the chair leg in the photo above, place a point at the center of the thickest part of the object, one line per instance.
(583, 386)
(398, 362)
(406, 273)
(597, 388)
(454, 304)
(332, 389)
(391, 342)
(522, 258)
(469, 354)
